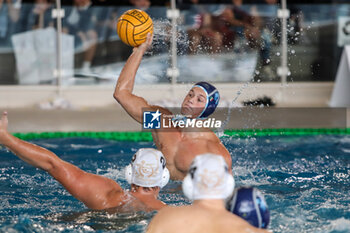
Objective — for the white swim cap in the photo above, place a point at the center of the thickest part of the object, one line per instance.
(147, 169)
(208, 178)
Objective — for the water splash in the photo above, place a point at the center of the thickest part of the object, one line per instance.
(162, 37)
(220, 131)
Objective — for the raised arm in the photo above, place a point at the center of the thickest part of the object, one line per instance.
(132, 104)
(96, 192)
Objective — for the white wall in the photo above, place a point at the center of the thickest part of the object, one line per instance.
(315, 94)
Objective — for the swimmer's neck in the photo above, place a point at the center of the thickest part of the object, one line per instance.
(148, 198)
(214, 204)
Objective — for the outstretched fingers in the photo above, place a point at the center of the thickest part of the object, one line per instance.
(147, 44)
(4, 121)
(149, 39)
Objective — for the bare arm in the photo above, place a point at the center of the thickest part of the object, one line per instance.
(96, 192)
(123, 91)
(29, 153)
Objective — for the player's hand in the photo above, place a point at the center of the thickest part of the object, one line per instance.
(147, 44)
(3, 125)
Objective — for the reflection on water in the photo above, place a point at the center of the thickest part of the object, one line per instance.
(305, 181)
(102, 220)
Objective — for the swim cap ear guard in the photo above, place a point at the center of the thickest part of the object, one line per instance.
(187, 184)
(161, 181)
(192, 193)
(164, 181)
(213, 98)
(249, 204)
(128, 173)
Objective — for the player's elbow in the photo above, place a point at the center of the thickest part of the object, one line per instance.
(116, 96)
(52, 166)
(119, 96)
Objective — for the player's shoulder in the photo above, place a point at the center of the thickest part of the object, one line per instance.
(174, 210)
(211, 137)
(165, 215)
(166, 218)
(161, 109)
(170, 209)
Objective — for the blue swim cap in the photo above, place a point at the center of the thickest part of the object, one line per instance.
(249, 204)
(213, 98)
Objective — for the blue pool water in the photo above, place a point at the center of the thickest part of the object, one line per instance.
(305, 181)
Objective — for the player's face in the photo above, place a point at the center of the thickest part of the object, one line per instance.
(194, 102)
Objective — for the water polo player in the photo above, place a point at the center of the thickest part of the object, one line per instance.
(146, 174)
(179, 146)
(208, 183)
(249, 204)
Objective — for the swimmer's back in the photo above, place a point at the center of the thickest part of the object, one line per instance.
(127, 203)
(191, 219)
